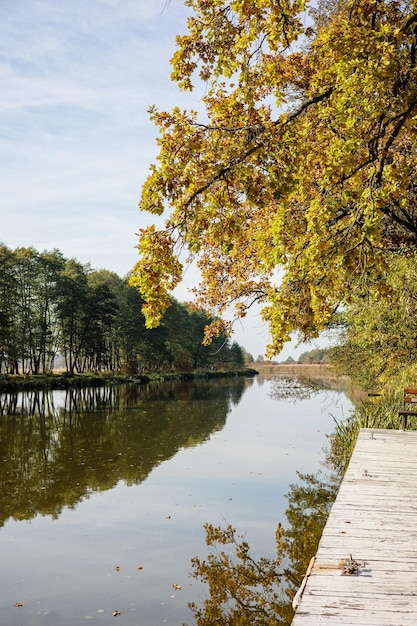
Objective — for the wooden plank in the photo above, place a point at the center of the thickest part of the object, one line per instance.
(374, 520)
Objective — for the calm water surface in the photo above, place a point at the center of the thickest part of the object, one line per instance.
(104, 492)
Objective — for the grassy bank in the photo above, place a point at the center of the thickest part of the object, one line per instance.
(15, 382)
(372, 412)
(295, 368)
(309, 372)
(302, 370)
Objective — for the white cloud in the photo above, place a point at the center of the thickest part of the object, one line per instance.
(76, 141)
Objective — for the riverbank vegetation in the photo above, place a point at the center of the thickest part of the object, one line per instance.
(376, 350)
(377, 338)
(59, 315)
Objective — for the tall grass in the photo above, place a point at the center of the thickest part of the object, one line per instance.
(376, 412)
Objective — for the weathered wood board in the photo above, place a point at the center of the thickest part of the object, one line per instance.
(374, 521)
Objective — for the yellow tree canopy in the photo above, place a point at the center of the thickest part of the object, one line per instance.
(304, 160)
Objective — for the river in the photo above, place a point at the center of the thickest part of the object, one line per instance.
(104, 492)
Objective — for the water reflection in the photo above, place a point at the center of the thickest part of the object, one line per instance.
(297, 387)
(293, 389)
(259, 592)
(56, 448)
(126, 524)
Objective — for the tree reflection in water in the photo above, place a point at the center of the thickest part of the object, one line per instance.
(244, 591)
(298, 388)
(56, 448)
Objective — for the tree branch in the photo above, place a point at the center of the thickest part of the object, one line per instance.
(223, 171)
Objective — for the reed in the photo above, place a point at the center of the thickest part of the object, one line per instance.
(374, 412)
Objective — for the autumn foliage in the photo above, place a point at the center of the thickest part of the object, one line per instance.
(299, 175)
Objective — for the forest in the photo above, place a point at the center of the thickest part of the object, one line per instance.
(58, 313)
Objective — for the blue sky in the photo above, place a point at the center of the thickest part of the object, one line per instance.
(76, 140)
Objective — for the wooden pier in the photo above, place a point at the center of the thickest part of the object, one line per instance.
(365, 569)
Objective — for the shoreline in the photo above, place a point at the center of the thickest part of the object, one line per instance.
(34, 382)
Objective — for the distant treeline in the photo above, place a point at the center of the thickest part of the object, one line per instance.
(57, 310)
(317, 355)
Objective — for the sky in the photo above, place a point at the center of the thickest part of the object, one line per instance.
(76, 141)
